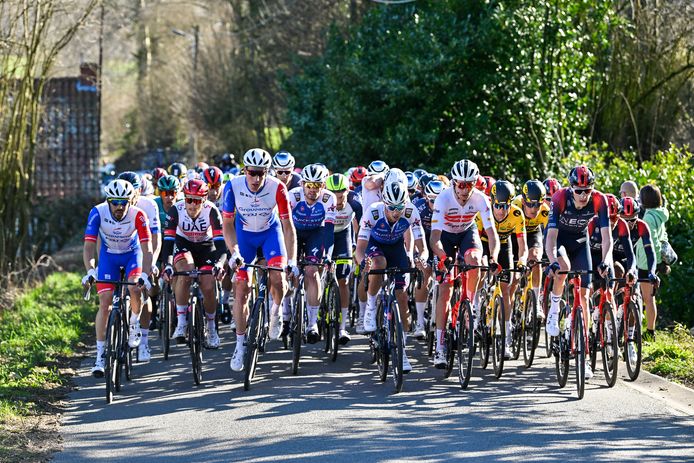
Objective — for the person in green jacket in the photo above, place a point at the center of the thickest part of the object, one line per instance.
(655, 216)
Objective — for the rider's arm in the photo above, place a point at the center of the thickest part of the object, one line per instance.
(228, 225)
(605, 229)
(493, 240)
(360, 252)
(625, 242)
(418, 233)
(522, 242)
(435, 243)
(145, 237)
(90, 237)
(551, 245)
(220, 249)
(288, 230)
(437, 220)
(372, 182)
(169, 235)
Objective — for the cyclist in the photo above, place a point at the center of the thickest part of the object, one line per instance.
(425, 207)
(381, 244)
(213, 177)
(201, 167)
(193, 239)
(149, 206)
(178, 169)
(567, 243)
(484, 184)
(551, 185)
(622, 247)
(125, 242)
(283, 166)
(348, 213)
(413, 186)
(453, 233)
(356, 177)
(372, 183)
(313, 213)
(509, 221)
(257, 217)
(157, 173)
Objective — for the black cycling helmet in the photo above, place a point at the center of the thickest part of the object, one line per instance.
(533, 190)
(178, 169)
(425, 179)
(132, 177)
(503, 192)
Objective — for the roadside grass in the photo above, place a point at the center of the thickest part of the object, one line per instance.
(39, 335)
(671, 355)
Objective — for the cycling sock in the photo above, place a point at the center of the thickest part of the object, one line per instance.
(536, 290)
(371, 301)
(145, 336)
(554, 306)
(210, 320)
(286, 309)
(225, 296)
(439, 340)
(312, 314)
(100, 346)
(240, 339)
(181, 311)
(420, 312)
(345, 316)
(508, 330)
(476, 302)
(275, 310)
(135, 317)
(362, 308)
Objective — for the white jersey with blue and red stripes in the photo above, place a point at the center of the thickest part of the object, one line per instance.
(259, 211)
(118, 237)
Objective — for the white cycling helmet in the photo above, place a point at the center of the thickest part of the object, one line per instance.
(120, 189)
(395, 194)
(465, 171)
(314, 173)
(377, 167)
(395, 175)
(257, 157)
(434, 188)
(283, 160)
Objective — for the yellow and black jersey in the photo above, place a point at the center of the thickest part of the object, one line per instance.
(540, 220)
(513, 223)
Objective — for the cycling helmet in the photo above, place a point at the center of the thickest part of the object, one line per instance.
(358, 175)
(212, 175)
(395, 175)
(283, 160)
(426, 178)
(582, 177)
(465, 171)
(192, 174)
(502, 191)
(377, 167)
(394, 194)
(337, 182)
(158, 173)
(169, 183)
(146, 187)
(630, 207)
(314, 173)
(433, 189)
(613, 206)
(132, 177)
(533, 190)
(257, 157)
(120, 189)
(178, 169)
(412, 181)
(201, 166)
(551, 186)
(418, 173)
(233, 171)
(195, 187)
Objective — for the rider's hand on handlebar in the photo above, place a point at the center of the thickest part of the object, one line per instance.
(144, 281)
(553, 268)
(89, 278)
(168, 273)
(218, 271)
(631, 277)
(494, 267)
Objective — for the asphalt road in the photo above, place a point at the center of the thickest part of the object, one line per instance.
(341, 412)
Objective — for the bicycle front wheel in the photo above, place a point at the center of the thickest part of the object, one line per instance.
(531, 329)
(253, 334)
(562, 349)
(165, 315)
(297, 329)
(381, 342)
(466, 344)
(610, 346)
(113, 340)
(397, 345)
(580, 358)
(498, 336)
(633, 344)
(517, 316)
(335, 312)
(196, 336)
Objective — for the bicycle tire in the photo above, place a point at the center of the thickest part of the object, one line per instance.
(197, 334)
(545, 308)
(297, 328)
(126, 351)
(112, 342)
(381, 344)
(562, 350)
(594, 342)
(531, 329)
(580, 358)
(633, 367)
(517, 315)
(335, 311)
(484, 331)
(165, 320)
(498, 337)
(252, 343)
(466, 344)
(397, 345)
(610, 348)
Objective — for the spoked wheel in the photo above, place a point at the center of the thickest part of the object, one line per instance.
(516, 328)
(166, 309)
(594, 341)
(253, 334)
(633, 344)
(335, 313)
(465, 344)
(196, 335)
(531, 329)
(381, 343)
(125, 350)
(484, 330)
(498, 336)
(113, 340)
(297, 329)
(545, 309)
(562, 351)
(610, 348)
(354, 303)
(397, 346)
(325, 327)
(580, 342)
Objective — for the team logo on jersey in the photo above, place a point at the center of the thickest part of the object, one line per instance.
(297, 196)
(544, 213)
(408, 212)
(516, 212)
(374, 213)
(326, 197)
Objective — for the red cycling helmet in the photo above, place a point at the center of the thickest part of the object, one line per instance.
(357, 175)
(158, 173)
(613, 206)
(490, 181)
(213, 175)
(551, 186)
(481, 183)
(630, 207)
(195, 187)
(582, 177)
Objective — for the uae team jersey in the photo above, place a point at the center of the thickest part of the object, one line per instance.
(118, 237)
(374, 224)
(207, 226)
(259, 211)
(311, 217)
(451, 217)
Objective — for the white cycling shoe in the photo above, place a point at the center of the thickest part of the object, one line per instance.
(143, 353)
(211, 339)
(406, 366)
(419, 332)
(360, 326)
(552, 326)
(370, 319)
(135, 335)
(236, 362)
(99, 366)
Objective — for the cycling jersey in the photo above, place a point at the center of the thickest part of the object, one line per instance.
(117, 237)
(162, 213)
(375, 225)
(182, 228)
(622, 250)
(311, 217)
(344, 216)
(566, 217)
(369, 197)
(294, 182)
(259, 211)
(540, 220)
(641, 232)
(149, 206)
(450, 216)
(513, 223)
(425, 213)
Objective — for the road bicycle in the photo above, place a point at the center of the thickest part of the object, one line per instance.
(602, 336)
(330, 309)
(629, 320)
(525, 324)
(491, 330)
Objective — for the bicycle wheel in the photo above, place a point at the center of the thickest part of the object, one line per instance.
(531, 329)
(517, 316)
(594, 341)
(465, 344)
(113, 335)
(545, 309)
(253, 334)
(633, 342)
(483, 328)
(381, 342)
(125, 350)
(561, 349)
(196, 335)
(165, 302)
(297, 329)
(610, 347)
(335, 311)
(354, 302)
(498, 336)
(430, 325)
(397, 345)
(580, 358)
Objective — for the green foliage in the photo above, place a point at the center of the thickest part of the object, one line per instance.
(505, 83)
(43, 325)
(671, 171)
(671, 355)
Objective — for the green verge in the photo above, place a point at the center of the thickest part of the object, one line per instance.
(37, 334)
(671, 355)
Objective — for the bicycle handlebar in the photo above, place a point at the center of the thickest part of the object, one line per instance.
(391, 271)
(88, 294)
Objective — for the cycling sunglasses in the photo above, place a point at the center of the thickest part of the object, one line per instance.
(283, 172)
(313, 185)
(464, 185)
(190, 200)
(582, 191)
(532, 204)
(501, 205)
(395, 207)
(118, 202)
(256, 173)
(167, 193)
(214, 186)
